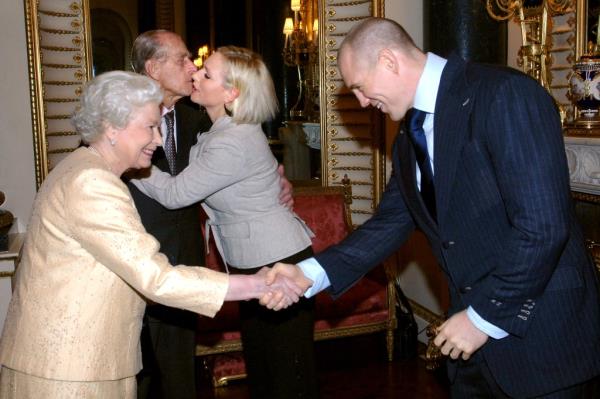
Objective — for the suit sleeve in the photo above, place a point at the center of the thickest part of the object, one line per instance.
(370, 244)
(524, 140)
(104, 221)
(219, 165)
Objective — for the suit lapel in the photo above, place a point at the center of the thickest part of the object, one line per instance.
(451, 129)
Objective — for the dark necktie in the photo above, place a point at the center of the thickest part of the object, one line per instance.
(415, 119)
(169, 141)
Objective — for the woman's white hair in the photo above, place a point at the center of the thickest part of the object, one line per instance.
(246, 71)
(110, 99)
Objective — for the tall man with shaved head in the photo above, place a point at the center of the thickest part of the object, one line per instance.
(168, 338)
(479, 166)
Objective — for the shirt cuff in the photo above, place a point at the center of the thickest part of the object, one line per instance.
(314, 271)
(485, 326)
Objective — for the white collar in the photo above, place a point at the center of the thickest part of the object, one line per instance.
(429, 83)
(164, 110)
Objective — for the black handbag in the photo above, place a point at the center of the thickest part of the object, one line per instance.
(405, 345)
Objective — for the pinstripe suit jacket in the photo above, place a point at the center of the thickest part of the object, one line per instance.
(506, 235)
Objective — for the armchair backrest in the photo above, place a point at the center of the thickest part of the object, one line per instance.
(325, 210)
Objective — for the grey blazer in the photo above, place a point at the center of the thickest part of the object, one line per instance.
(234, 171)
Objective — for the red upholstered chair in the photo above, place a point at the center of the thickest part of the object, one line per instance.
(363, 309)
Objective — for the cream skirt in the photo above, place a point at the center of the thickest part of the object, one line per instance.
(17, 385)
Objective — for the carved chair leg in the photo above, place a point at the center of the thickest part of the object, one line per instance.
(390, 343)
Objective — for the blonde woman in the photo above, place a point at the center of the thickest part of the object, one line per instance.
(234, 173)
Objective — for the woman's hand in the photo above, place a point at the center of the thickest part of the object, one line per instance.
(276, 291)
(288, 275)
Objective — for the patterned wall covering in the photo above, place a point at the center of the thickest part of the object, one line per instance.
(563, 43)
(57, 51)
(353, 137)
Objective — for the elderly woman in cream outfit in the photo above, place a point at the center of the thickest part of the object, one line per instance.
(88, 266)
(234, 172)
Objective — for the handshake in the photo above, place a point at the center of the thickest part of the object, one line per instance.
(276, 288)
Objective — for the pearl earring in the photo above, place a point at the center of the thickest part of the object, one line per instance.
(113, 142)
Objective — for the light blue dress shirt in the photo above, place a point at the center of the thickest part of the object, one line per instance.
(425, 97)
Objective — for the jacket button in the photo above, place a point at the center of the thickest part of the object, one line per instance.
(447, 244)
(464, 290)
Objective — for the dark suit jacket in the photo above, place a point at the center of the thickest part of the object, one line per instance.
(178, 231)
(506, 236)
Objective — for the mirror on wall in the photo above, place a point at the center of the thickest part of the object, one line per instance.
(348, 140)
(591, 21)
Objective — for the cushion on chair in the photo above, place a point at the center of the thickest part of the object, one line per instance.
(324, 210)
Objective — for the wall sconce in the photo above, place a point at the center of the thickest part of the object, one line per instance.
(535, 19)
(533, 16)
(203, 54)
(301, 50)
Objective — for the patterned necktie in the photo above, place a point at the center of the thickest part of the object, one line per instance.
(169, 140)
(415, 119)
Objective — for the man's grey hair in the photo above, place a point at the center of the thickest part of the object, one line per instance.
(148, 46)
(110, 100)
(371, 35)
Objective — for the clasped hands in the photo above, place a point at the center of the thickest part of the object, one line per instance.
(456, 337)
(284, 284)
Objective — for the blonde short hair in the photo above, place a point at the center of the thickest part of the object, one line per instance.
(246, 71)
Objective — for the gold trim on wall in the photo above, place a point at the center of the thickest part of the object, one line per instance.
(58, 52)
(352, 137)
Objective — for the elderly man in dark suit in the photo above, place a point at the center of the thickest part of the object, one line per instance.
(168, 337)
(479, 166)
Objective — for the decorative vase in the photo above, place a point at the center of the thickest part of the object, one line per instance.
(584, 90)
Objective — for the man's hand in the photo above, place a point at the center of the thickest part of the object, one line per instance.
(291, 277)
(278, 294)
(285, 195)
(458, 337)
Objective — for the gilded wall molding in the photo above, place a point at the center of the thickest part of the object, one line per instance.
(584, 164)
(59, 52)
(352, 137)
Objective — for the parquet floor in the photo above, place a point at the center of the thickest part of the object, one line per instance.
(356, 368)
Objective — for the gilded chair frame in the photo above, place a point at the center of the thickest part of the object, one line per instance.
(388, 326)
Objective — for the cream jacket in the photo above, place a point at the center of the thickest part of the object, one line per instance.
(77, 308)
(234, 171)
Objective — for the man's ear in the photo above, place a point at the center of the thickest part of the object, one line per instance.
(151, 66)
(388, 59)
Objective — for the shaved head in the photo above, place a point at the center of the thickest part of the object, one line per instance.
(381, 65)
(372, 35)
